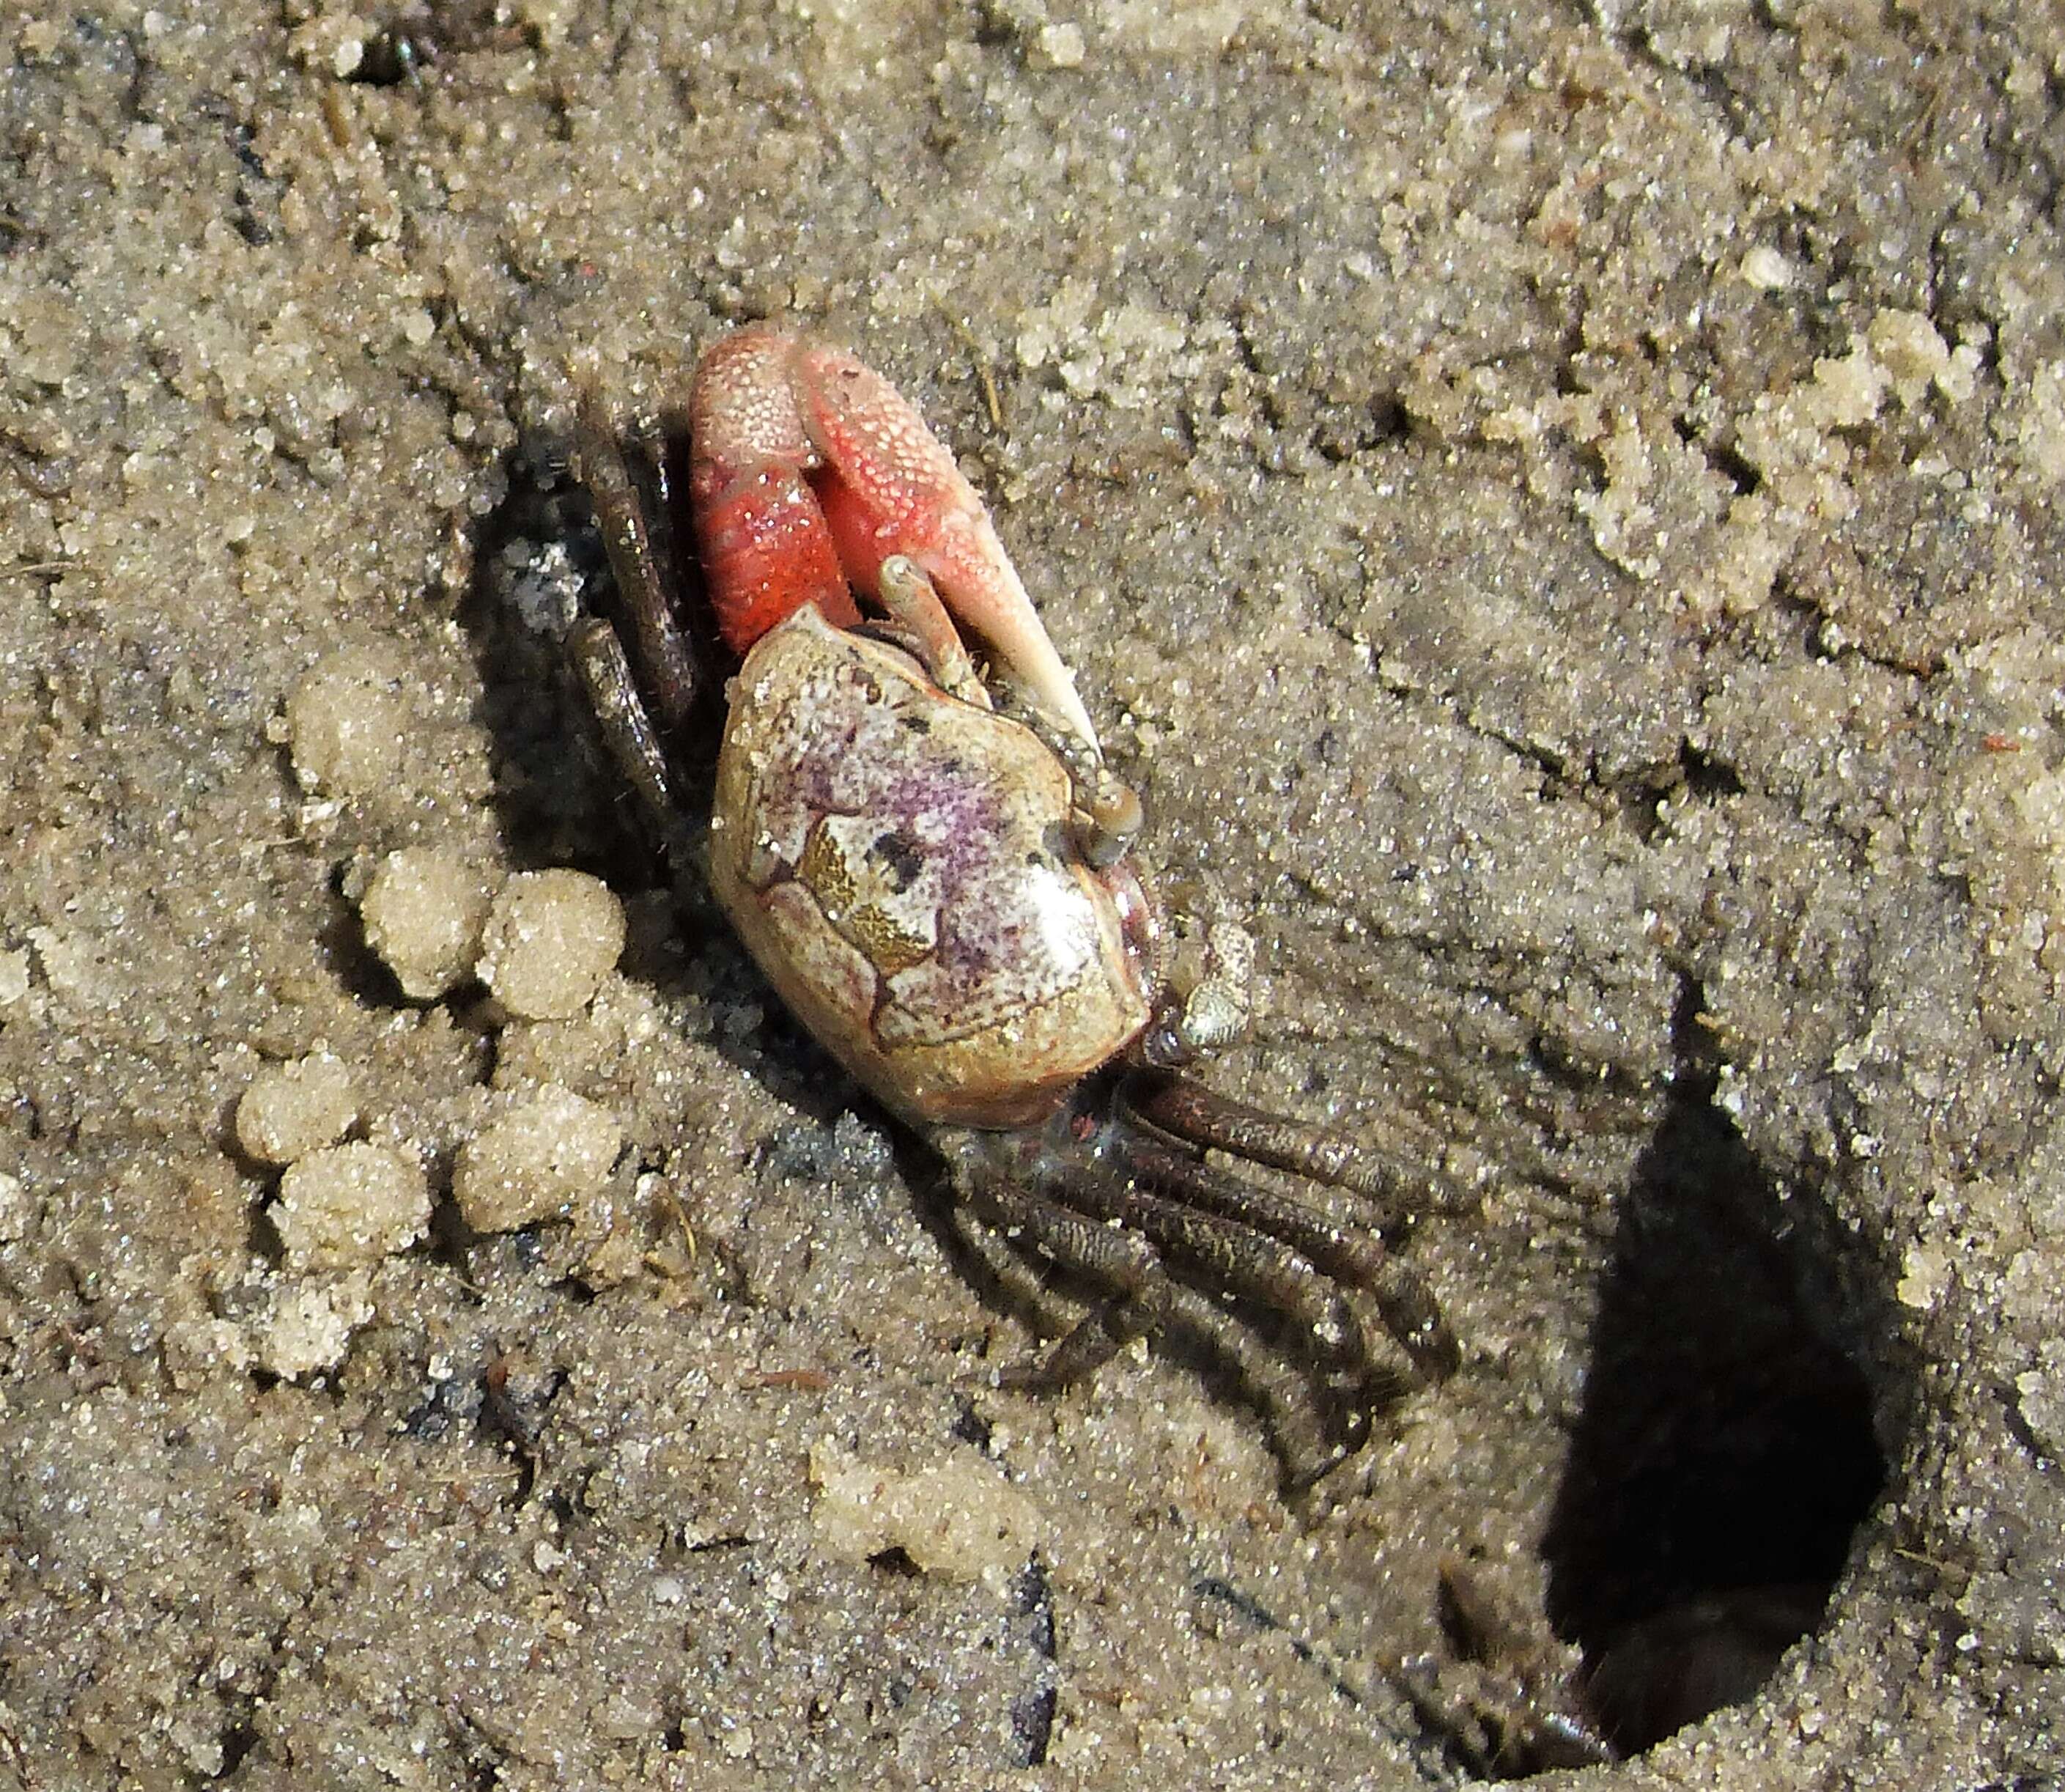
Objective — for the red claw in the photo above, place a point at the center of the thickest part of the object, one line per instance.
(764, 549)
(807, 470)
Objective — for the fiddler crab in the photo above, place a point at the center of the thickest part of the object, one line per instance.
(931, 864)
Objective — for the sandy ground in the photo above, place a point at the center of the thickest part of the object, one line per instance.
(1562, 521)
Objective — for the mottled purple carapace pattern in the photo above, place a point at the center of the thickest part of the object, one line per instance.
(908, 866)
(947, 840)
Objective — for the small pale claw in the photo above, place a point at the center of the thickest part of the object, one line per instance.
(896, 490)
(912, 599)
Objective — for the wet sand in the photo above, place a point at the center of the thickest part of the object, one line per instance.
(1560, 521)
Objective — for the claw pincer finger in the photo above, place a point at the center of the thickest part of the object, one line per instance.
(894, 489)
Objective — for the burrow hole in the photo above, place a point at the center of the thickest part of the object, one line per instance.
(1726, 1453)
